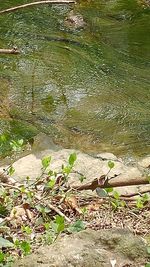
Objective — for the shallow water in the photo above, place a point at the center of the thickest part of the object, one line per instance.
(86, 88)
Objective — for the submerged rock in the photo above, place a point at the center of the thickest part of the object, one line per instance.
(90, 249)
(75, 21)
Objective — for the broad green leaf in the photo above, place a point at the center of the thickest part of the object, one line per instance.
(25, 247)
(111, 164)
(147, 264)
(4, 243)
(109, 190)
(72, 159)
(59, 219)
(76, 226)
(46, 162)
(101, 192)
(60, 222)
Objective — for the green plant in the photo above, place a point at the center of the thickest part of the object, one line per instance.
(142, 200)
(76, 226)
(24, 246)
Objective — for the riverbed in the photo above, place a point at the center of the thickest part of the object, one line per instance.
(85, 87)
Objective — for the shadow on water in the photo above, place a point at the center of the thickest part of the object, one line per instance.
(86, 87)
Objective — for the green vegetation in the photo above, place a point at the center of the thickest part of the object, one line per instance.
(31, 213)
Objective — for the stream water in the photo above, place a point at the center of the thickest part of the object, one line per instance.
(88, 88)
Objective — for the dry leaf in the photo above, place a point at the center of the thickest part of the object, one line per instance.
(29, 214)
(72, 203)
(17, 212)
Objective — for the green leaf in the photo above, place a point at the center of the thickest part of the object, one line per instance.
(148, 250)
(139, 203)
(101, 192)
(60, 222)
(51, 183)
(26, 229)
(67, 170)
(46, 162)
(25, 247)
(11, 170)
(147, 264)
(76, 226)
(109, 190)
(4, 243)
(115, 204)
(2, 257)
(3, 210)
(72, 159)
(82, 178)
(111, 164)
(116, 194)
(40, 208)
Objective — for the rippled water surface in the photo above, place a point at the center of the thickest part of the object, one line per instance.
(88, 88)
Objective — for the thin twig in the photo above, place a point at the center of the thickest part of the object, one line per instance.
(36, 3)
(11, 186)
(58, 211)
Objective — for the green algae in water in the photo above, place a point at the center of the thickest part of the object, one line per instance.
(86, 88)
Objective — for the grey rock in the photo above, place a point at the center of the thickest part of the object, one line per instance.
(145, 162)
(90, 249)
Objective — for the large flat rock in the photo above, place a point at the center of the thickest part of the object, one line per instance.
(91, 249)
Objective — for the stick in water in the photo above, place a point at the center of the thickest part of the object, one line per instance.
(37, 3)
(9, 51)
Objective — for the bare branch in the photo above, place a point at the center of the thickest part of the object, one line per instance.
(112, 182)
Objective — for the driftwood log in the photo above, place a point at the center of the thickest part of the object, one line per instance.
(9, 51)
(36, 3)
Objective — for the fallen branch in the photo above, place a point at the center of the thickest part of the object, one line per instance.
(112, 182)
(9, 51)
(36, 3)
